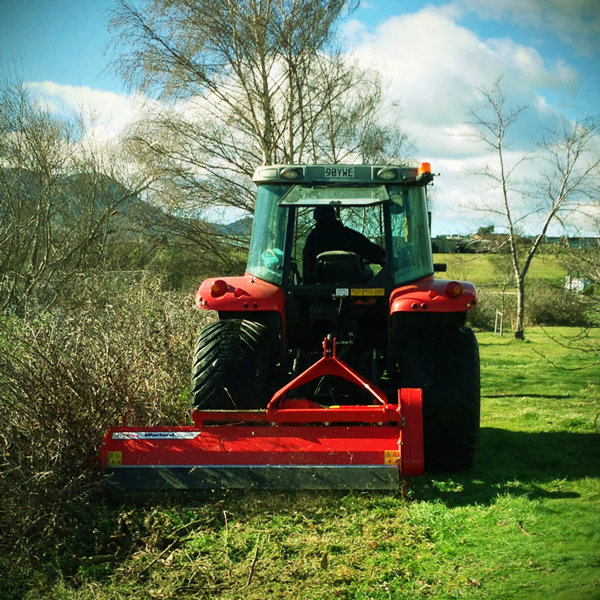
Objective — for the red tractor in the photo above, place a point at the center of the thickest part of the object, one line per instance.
(338, 311)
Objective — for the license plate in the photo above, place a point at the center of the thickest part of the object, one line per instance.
(339, 172)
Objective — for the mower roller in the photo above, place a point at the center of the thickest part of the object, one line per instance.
(338, 360)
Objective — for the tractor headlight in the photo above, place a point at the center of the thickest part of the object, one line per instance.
(387, 174)
(290, 174)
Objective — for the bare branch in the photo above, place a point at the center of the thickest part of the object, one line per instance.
(571, 180)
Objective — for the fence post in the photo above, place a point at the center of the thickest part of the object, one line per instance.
(499, 317)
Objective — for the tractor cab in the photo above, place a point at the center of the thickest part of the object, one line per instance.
(386, 205)
(376, 238)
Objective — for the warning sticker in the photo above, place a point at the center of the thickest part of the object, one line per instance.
(391, 457)
(367, 292)
(114, 458)
(155, 435)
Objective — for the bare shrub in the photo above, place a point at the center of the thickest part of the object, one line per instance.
(490, 302)
(548, 305)
(553, 305)
(66, 376)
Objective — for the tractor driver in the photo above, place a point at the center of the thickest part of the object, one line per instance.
(331, 234)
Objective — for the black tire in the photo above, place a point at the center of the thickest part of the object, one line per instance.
(230, 366)
(444, 362)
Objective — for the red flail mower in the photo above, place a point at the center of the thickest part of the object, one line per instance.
(338, 360)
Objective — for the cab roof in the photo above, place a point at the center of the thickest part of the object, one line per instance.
(343, 174)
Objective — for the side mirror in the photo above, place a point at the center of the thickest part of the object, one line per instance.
(440, 267)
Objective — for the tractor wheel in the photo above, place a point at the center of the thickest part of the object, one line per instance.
(444, 363)
(230, 366)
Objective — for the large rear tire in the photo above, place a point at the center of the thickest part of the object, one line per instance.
(230, 366)
(444, 362)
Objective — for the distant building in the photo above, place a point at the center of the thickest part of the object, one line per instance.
(575, 242)
(453, 244)
(577, 284)
(498, 242)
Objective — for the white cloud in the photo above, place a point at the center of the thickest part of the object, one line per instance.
(435, 67)
(107, 112)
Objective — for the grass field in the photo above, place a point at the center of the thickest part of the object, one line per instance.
(525, 523)
(492, 269)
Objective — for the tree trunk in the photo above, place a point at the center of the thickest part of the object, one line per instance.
(520, 324)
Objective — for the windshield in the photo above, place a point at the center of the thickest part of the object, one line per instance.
(411, 244)
(301, 195)
(265, 259)
(365, 209)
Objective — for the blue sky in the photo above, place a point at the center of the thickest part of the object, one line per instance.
(433, 55)
(56, 40)
(63, 41)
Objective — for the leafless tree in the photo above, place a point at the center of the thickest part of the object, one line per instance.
(569, 181)
(245, 83)
(59, 194)
(583, 263)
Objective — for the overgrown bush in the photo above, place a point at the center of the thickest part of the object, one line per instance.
(482, 317)
(545, 304)
(118, 354)
(555, 306)
(185, 267)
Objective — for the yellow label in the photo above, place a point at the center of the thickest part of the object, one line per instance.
(367, 292)
(115, 458)
(391, 457)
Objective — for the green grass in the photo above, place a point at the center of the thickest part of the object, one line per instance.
(488, 269)
(524, 523)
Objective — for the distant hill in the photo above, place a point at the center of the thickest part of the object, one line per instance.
(86, 197)
(241, 227)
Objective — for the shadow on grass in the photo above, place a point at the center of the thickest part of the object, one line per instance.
(516, 463)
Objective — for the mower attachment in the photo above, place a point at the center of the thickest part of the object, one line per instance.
(293, 444)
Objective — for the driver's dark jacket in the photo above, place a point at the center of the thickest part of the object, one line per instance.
(331, 235)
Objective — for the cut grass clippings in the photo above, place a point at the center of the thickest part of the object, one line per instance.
(524, 523)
